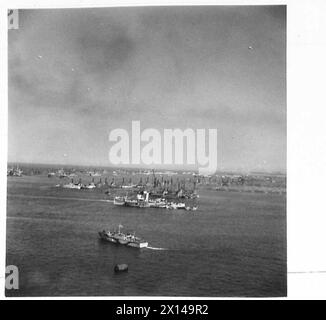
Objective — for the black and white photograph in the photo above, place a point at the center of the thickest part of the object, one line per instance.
(147, 151)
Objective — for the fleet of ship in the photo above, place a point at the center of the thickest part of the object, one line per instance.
(158, 193)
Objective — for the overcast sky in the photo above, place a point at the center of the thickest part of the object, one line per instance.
(76, 74)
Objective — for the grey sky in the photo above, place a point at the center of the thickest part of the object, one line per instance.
(76, 74)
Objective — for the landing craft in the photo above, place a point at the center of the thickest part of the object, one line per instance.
(119, 237)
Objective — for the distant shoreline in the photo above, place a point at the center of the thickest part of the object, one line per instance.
(179, 170)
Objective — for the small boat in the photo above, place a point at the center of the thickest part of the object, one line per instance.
(181, 205)
(90, 186)
(72, 186)
(121, 267)
(119, 201)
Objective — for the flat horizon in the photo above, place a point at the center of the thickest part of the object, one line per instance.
(13, 163)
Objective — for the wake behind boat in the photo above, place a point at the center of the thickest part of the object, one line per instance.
(121, 238)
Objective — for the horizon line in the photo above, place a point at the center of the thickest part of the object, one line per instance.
(283, 172)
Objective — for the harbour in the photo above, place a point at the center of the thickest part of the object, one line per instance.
(233, 244)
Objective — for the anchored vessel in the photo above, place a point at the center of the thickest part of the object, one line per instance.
(121, 238)
(143, 201)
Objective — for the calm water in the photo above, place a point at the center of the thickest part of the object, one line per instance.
(234, 245)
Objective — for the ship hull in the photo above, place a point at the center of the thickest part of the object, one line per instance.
(132, 204)
(118, 203)
(123, 241)
(138, 244)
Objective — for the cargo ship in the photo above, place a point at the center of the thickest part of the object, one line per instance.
(119, 237)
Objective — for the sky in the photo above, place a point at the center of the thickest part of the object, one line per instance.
(77, 74)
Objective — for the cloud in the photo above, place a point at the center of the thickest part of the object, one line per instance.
(166, 66)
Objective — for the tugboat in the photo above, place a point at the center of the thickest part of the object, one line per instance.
(121, 238)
